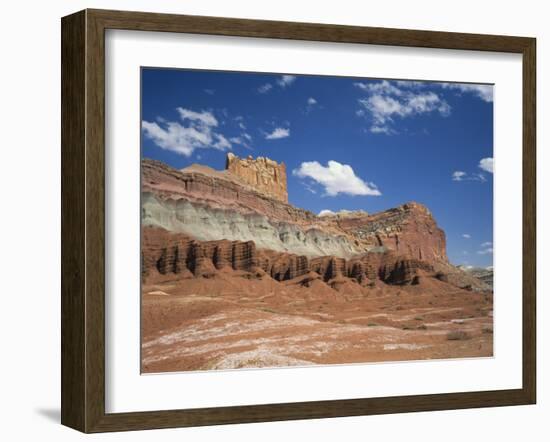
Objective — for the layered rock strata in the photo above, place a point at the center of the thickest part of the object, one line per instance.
(167, 255)
(213, 205)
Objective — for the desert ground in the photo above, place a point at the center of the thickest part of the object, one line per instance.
(205, 324)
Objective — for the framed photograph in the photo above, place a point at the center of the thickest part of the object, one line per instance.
(268, 221)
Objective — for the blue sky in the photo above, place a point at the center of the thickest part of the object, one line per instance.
(348, 143)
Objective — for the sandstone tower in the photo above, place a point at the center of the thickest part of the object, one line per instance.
(264, 174)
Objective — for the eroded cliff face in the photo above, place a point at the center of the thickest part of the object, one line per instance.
(214, 205)
(205, 222)
(167, 255)
(409, 229)
(171, 254)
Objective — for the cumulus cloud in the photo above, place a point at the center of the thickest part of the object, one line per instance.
(265, 88)
(383, 87)
(458, 175)
(482, 91)
(197, 130)
(286, 80)
(203, 117)
(487, 164)
(327, 212)
(278, 132)
(311, 101)
(336, 178)
(283, 82)
(385, 102)
(381, 130)
(487, 244)
(466, 235)
(485, 251)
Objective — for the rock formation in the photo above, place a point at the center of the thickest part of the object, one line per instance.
(213, 205)
(169, 255)
(484, 274)
(409, 228)
(233, 276)
(265, 175)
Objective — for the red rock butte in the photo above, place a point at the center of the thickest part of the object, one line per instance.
(264, 174)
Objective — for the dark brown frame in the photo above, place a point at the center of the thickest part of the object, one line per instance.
(83, 216)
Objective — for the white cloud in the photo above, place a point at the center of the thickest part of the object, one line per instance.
(286, 80)
(283, 81)
(487, 164)
(210, 91)
(311, 104)
(196, 132)
(383, 87)
(327, 212)
(381, 130)
(466, 235)
(278, 132)
(413, 84)
(264, 88)
(204, 117)
(221, 142)
(459, 175)
(336, 178)
(483, 91)
(487, 244)
(240, 122)
(486, 251)
(385, 102)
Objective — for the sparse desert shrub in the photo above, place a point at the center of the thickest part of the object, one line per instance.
(419, 318)
(406, 327)
(372, 324)
(488, 330)
(422, 327)
(458, 335)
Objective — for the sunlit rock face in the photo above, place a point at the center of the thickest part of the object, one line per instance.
(265, 175)
(207, 205)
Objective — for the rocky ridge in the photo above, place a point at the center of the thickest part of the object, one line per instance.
(483, 274)
(167, 256)
(213, 205)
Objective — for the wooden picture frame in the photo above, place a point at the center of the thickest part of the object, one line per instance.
(83, 220)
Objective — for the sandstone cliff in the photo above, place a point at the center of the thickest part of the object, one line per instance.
(166, 256)
(173, 254)
(265, 175)
(206, 204)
